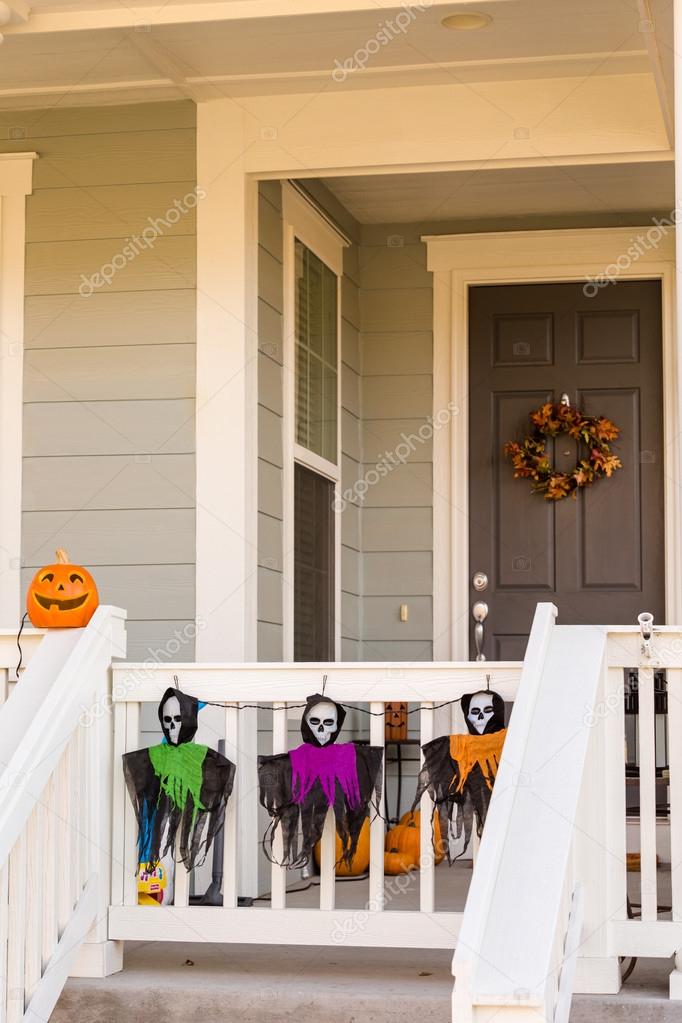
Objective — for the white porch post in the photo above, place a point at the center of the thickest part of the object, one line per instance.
(676, 975)
(16, 172)
(226, 430)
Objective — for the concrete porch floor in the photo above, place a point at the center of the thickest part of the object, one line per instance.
(271, 984)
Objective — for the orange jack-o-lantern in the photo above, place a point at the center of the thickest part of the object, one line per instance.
(396, 721)
(61, 596)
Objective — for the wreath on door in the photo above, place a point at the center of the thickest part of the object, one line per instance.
(531, 461)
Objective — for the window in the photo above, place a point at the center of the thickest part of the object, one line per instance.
(313, 261)
(316, 354)
(313, 566)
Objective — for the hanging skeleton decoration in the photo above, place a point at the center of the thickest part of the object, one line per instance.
(298, 788)
(459, 770)
(178, 787)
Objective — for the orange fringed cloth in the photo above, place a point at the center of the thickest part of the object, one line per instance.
(467, 751)
(458, 773)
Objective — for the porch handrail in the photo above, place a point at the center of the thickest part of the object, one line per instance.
(522, 902)
(55, 778)
(9, 655)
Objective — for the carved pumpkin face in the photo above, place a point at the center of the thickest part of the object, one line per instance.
(61, 596)
(396, 721)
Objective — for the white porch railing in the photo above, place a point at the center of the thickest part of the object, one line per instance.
(55, 825)
(273, 687)
(547, 910)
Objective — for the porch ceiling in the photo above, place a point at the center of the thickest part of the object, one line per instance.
(143, 50)
(507, 193)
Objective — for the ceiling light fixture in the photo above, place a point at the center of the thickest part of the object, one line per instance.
(466, 22)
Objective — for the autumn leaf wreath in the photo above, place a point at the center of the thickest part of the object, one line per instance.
(531, 460)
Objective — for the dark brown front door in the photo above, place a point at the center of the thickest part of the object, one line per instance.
(599, 558)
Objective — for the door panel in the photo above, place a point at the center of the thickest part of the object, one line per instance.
(599, 557)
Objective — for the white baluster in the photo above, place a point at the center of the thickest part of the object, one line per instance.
(231, 844)
(4, 926)
(120, 800)
(35, 851)
(377, 735)
(130, 855)
(50, 930)
(427, 897)
(647, 794)
(278, 875)
(675, 763)
(16, 942)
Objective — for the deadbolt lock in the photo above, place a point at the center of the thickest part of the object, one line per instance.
(480, 581)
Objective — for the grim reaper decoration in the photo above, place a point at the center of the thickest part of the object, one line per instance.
(298, 788)
(178, 787)
(459, 770)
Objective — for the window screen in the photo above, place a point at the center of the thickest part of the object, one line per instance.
(316, 354)
(313, 566)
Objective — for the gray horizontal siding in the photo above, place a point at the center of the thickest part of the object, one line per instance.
(109, 379)
(128, 372)
(114, 481)
(270, 399)
(396, 305)
(138, 428)
(109, 318)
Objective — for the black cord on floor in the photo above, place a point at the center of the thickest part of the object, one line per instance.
(311, 884)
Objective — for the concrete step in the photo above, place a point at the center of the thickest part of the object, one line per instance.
(203, 983)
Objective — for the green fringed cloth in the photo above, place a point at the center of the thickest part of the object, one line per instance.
(178, 790)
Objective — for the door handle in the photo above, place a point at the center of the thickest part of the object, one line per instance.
(480, 613)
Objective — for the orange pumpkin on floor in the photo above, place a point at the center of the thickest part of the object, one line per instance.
(360, 862)
(439, 846)
(396, 862)
(61, 596)
(406, 838)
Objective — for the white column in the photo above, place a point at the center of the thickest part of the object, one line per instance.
(16, 171)
(226, 432)
(676, 975)
(98, 955)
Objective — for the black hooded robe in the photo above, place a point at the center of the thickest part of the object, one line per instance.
(191, 800)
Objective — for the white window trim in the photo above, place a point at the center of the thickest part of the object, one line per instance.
(301, 220)
(16, 182)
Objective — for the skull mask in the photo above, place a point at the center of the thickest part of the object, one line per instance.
(178, 716)
(484, 712)
(322, 721)
(172, 719)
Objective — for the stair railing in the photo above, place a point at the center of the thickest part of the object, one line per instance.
(56, 763)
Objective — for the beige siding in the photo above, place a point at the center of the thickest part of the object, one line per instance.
(109, 376)
(396, 302)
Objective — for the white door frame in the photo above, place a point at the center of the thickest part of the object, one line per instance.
(459, 262)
